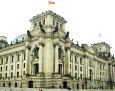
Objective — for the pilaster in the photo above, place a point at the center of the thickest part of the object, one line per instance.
(41, 56)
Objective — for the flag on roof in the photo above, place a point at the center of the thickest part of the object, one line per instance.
(51, 3)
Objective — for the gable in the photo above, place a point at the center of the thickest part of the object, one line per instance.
(91, 50)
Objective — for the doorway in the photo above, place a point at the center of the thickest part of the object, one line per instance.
(30, 84)
(64, 84)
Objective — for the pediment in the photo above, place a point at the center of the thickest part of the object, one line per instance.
(91, 50)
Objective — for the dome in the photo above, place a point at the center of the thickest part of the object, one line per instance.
(19, 38)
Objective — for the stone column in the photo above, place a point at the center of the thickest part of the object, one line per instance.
(21, 65)
(14, 68)
(9, 65)
(56, 57)
(68, 60)
(26, 61)
(40, 57)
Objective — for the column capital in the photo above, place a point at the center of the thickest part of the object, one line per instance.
(41, 43)
(56, 43)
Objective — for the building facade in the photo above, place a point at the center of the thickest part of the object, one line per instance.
(46, 57)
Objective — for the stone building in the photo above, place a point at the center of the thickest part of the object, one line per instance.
(46, 57)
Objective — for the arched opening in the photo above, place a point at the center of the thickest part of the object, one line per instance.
(36, 52)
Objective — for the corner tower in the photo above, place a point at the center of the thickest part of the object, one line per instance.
(49, 20)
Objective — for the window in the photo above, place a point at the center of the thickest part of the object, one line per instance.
(24, 65)
(43, 22)
(82, 86)
(24, 56)
(75, 59)
(76, 75)
(35, 25)
(36, 52)
(3, 84)
(70, 66)
(23, 72)
(15, 84)
(12, 58)
(6, 60)
(11, 67)
(5, 75)
(1, 69)
(6, 68)
(1, 61)
(9, 84)
(81, 76)
(60, 26)
(11, 74)
(60, 53)
(18, 57)
(76, 67)
(0, 75)
(17, 66)
(80, 68)
(81, 61)
(57, 24)
(17, 74)
(71, 56)
(53, 23)
(77, 86)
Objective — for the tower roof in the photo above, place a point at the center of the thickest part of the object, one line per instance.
(49, 12)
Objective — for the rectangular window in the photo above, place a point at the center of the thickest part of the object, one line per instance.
(17, 66)
(18, 59)
(70, 66)
(24, 65)
(81, 76)
(3, 84)
(17, 74)
(0, 75)
(80, 68)
(6, 60)
(15, 84)
(23, 72)
(12, 58)
(70, 73)
(11, 67)
(24, 56)
(75, 59)
(9, 84)
(81, 61)
(5, 75)
(76, 67)
(1, 69)
(1, 61)
(6, 68)
(11, 74)
(76, 75)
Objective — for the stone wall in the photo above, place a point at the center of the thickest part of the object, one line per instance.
(38, 89)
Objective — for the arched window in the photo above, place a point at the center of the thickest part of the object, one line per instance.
(36, 52)
(60, 53)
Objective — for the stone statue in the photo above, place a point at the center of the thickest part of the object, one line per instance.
(41, 27)
(28, 33)
(56, 29)
(67, 35)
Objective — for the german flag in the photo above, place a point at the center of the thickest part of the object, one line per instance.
(51, 3)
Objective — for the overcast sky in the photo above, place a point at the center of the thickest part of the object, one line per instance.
(86, 18)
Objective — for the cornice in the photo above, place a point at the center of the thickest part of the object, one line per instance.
(12, 46)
